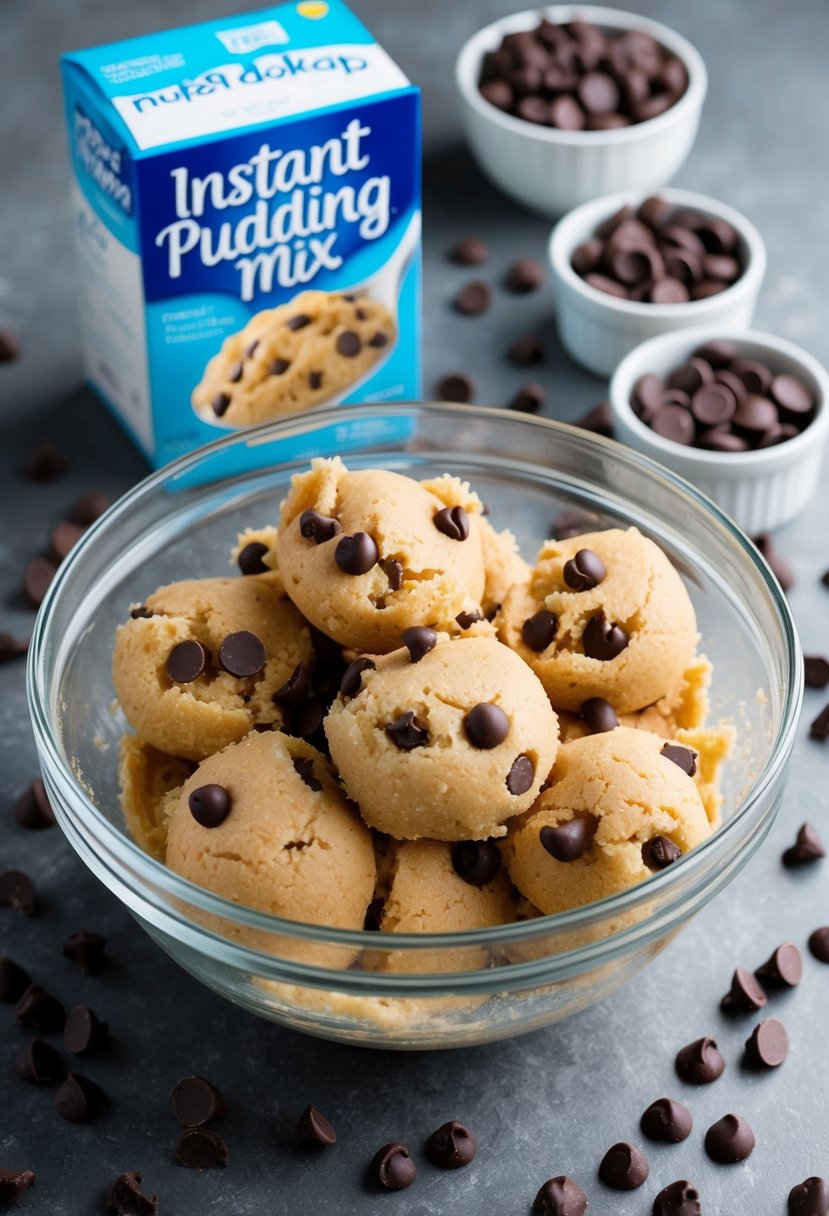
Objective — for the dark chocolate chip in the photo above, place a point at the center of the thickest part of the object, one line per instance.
(37, 578)
(221, 404)
(683, 757)
(210, 805)
(560, 1196)
(125, 1197)
(14, 981)
(674, 423)
(319, 528)
(569, 524)
(452, 1146)
(84, 1032)
(14, 1184)
(196, 1101)
(700, 1062)
(296, 689)
(746, 994)
(469, 251)
(660, 852)
(352, 681)
(784, 969)
(486, 725)
(713, 404)
(392, 1167)
(141, 613)
(584, 571)
(252, 348)
(419, 640)
(819, 728)
(9, 346)
(64, 536)
(17, 891)
(677, 1199)
(393, 571)
(729, 1140)
(816, 670)
(242, 654)
(624, 1167)
(356, 554)
(39, 1063)
(78, 1099)
(473, 299)
(235, 373)
(598, 420)
(406, 732)
(666, 1121)
(567, 841)
(647, 395)
(305, 720)
(87, 949)
(793, 398)
(539, 630)
(603, 640)
(598, 715)
(452, 522)
(298, 322)
(526, 351)
(767, 1046)
(12, 647)
(379, 340)
(279, 367)
(525, 275)
(819, 944)
(567, 115)
(250, 559)
(186, 661)
(529, 399)
(477, 862)
(521, 775)
(40, 1010)
(315, 380)
(809, 1198)
(45, 462)
(313, 1129)
(807, 847)
(304, 766)
(32, 810)
(200, 1148)
(349, 344)
(457, 386)
(467, 619)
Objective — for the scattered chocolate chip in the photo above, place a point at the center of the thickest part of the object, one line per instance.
(486, 725)
(729, 1140)
(700, 1062)
(452, 1146)
(477, 862)
(819, 728)
(603, 640)
(539, 630)
(356, 554)
(200, 1148)
(250, 559)
(526, 351)
(584, 571)
(469, 251)
(186, 661)
(624, 1167)
(12, 647)
(39, 1063)
(569, 524)
(767, 1046)
(677, 1199)
(521, 775)
(560, 1196)
(296, 689)
(524, 275)
(392, 1167)
(780, 566)
(37, 578)
(17, 891)
(746, 993)
(125, 1197)
(196, 1101)
(210, 805)
(65, 535)
(86, 949)
(45, 462)
(660, 852)
(473, 299)
(598, 420)
(304, 766)
(419, 640)
(220, 404)
(598, 715)
(9, 346)
(406, 732)
(809, 1198)
(666, 1121)
(32, 810)
(352, 681)
(298, 322)
(40, 1010)
(819, 944)
(457, 386)
(467, 619)
(14, 981)
(683, 757)
(14, 1184)
(242, 654)
(313, 1129)
(84, 1032)
(452, 522)
(568, 841)
(816, 671)
(78, 1099)
(349, 344)
(529, 399)
(807, 847)
(784, 969)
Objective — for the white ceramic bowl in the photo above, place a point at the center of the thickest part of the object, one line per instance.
(551, 171)
(760, 489)
(598, 329)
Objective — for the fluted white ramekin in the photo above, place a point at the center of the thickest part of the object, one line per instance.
(551, 171)
(759, 489)
(598, 329)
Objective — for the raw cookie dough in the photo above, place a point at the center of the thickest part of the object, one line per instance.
(640, 593)
(149, 779)
(421, 575)
(255, 547)
(504, 566)
(438, 784)
(196, 718)
(628, 793)
(293, 357)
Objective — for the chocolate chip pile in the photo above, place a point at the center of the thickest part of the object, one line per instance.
(577, 76)
(722, 402)
(657, 253)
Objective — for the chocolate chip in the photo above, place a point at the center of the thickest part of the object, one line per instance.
(84, 1032)
(296, 689)
(14, 981)
(568, 841)
(598, 420)
(17, 891)
(313, 1129)
(452, 1146)
(392, 1167)
(379, 340)
(298, 322)
(40, 1010)
(37, 578)
(474, 298)
(419, 640)
(807, 847)
(525, 275)
(560, 1196)
(65, 535)
(352, 682)
(9, 346)
(356, 554)
(677, 1199)
(584, 571)
(252, 348)
(45, 462)
(78, 1099)
(624, 1167)
(14, 1184)
(39, 1063)
(125, 1197)
(713, 404)
(141, 613)
(674, 423)
(200, 1148)
(729, 1140)
(32, 810)
(793, 397)
(539, 630)
(279, 367)
(526, 351)
(86, 949)
(598, 715)
(809, 1198)
(12, 647)
(467, 619)
(305, 720)
(780, 566)
(196, 1101)
(406, 732)
(210, 805)
(819, 944)
(452, 522)
(666, 1121)
(477, 862)
(767, 1046)
(603, 640)
(521, 775)
(700, 1062)
(319, 528)
(486, 725)
(587, 256)
(660, 852)
(647, 395)
(221, 404)
(304, 766)
(315, 380)
(529, 399)
(819, 728)
(349, 344)
(469, 251)
(457, 386)
(784, 969)
(816, 671)
(683, 757)
(746, 993)
(755, 415)
(250, 559)
(186, 661)
(568, 524)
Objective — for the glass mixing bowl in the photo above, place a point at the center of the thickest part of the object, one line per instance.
(409, 991)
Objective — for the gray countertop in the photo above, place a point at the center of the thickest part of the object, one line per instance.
(547, 1103)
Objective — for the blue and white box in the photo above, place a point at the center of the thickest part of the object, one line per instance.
(246, 201)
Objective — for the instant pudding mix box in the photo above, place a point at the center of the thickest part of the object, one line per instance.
(246, 202)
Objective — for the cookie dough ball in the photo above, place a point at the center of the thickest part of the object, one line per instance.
(264, 824)
(366, 554)
(618, 806)
(149, 779)
(449, 747)
(199, 670)
(294, 357)
(255, 551)
(605, 615)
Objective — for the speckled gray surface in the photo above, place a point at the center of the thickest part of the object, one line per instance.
(550, 1102)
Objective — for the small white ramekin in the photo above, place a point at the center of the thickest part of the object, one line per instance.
(551, 171)
(598, 329)
(759, 489)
